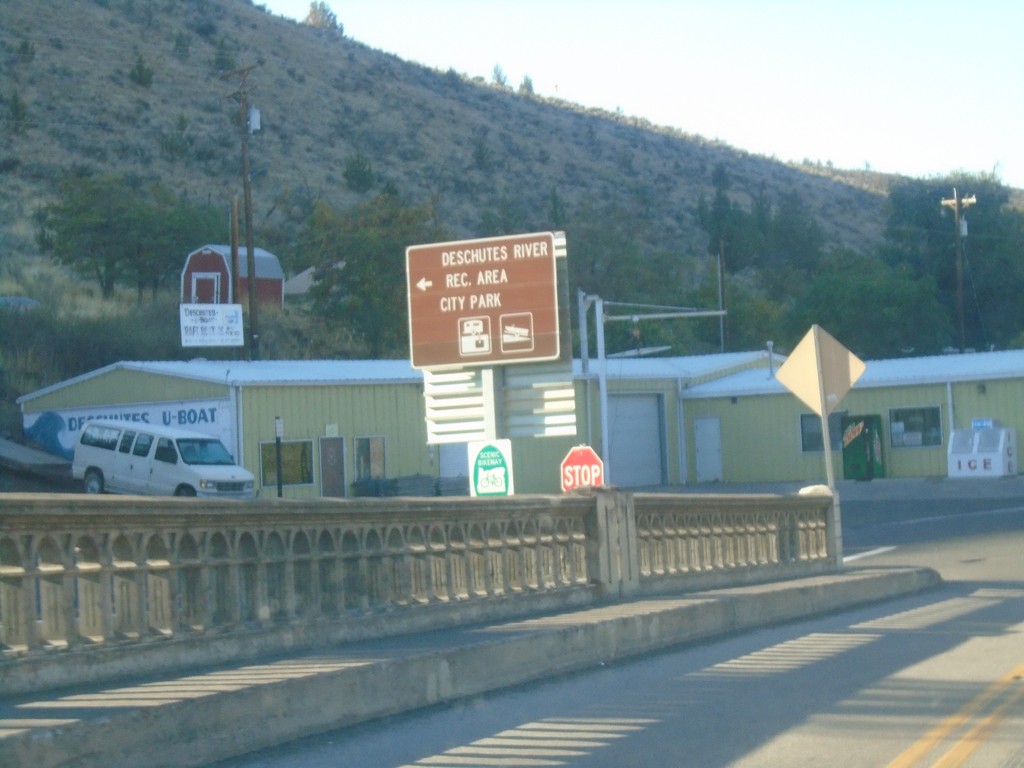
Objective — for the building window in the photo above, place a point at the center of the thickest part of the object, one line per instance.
(369, 457)
(915, 427)
(296, 463)
(810, 431)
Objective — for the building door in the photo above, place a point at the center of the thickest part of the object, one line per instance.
(636, 440)
(332, 467)
(206, 288)
(707, 437)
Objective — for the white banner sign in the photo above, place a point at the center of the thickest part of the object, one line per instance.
(57, 431)
(211, 325)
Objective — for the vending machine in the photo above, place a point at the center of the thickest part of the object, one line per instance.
(862, 447)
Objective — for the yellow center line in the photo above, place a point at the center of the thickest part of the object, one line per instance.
(976, 736)
(927, 743)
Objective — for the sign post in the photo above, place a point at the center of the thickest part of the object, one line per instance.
(581, 468)
(278, 436)
(483, 302)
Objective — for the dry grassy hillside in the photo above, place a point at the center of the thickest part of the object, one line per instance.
(323, 99)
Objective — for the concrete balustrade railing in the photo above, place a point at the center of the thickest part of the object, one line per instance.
(82, 575)
(726, 540)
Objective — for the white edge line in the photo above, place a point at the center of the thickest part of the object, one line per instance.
(869, 553)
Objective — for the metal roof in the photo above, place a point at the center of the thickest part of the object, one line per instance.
(339, 372)
(894, 372)
(267, 264)
(693, 367)
(720, 375)
(287, 372)
(265, 372)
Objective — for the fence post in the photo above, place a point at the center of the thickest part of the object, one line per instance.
(833, 523)
(613, 552)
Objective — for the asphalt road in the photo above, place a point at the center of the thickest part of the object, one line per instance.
(936, 679)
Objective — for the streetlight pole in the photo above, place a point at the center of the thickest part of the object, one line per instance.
(958, 204)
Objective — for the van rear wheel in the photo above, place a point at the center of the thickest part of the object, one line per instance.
(93, 481)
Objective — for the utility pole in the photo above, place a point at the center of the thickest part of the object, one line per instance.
(242, 95)
(958, 204)
(721, 292)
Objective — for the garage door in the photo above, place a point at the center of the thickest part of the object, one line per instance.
(636, 440)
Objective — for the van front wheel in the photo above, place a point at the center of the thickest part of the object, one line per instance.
(93, 481)
(184, 490)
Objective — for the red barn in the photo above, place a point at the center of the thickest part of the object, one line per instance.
(206, 278)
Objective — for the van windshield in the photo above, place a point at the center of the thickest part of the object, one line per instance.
(197, 451)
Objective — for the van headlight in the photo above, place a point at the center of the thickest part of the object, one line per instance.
(250, 484)
(208, 485)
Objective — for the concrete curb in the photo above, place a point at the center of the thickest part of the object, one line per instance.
(192, 721)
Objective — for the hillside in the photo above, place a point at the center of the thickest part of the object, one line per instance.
(474, 147)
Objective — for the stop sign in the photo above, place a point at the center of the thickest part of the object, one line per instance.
(582, 468)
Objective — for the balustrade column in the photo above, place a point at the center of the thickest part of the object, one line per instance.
(363, 582)
(290, 597)
(129, 598)
(57, 606)
(17, 598)
(93, 598)
(450, 574)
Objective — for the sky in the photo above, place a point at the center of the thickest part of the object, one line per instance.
(921, 88)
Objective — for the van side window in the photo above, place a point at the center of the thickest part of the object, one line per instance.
(142, 445)
(101, 437)
(126, 442)
(165, 451)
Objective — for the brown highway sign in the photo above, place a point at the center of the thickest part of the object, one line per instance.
(483, 302)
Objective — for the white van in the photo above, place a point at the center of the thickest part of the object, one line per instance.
(120, 457)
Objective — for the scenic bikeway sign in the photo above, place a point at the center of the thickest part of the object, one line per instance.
(483, 302)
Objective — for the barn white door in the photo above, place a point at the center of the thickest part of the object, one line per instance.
(205, 288)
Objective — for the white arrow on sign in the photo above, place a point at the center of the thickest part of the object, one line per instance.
(423, 284)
